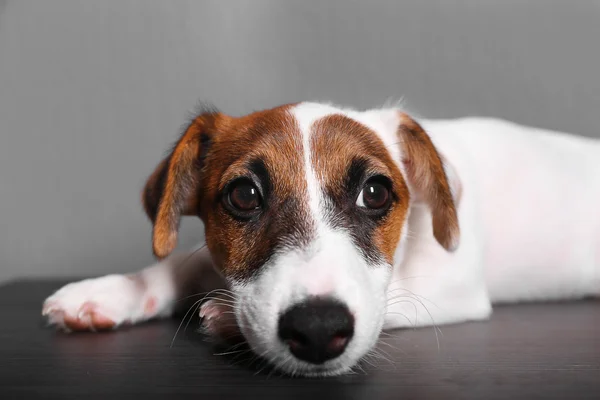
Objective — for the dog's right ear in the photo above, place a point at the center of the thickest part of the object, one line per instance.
(173, 189)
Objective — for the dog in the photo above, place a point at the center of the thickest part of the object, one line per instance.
(326, 225)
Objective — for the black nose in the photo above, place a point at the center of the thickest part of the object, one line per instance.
(316, 330)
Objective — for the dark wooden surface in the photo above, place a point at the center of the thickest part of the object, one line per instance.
(526, 351)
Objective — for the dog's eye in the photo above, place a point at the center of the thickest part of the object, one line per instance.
(374, 195)
(244, 196)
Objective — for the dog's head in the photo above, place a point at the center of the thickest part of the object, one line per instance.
(304, 208)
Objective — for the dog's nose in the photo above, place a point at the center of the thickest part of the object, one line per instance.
(316, 330)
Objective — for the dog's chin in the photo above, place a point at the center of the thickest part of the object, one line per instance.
(293, 367)
(316, 371)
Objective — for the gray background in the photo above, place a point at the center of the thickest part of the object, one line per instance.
(93, 92)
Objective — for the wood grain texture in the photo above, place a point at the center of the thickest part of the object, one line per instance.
(526, 351)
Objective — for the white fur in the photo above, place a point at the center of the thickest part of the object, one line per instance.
(284, 283)
(530, 230)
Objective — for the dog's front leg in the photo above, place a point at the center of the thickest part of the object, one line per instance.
(114, 300)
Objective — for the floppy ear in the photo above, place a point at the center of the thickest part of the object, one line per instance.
(173, 188)
(427, 175)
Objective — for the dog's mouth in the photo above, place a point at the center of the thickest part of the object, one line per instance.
(315, 371)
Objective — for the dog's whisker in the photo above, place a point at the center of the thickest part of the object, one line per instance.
(228, 324)
(421, 297)
(225, 306)
(388, 334)
(234, 346)
(395, 281)
(408, 300)
(400, 296)
(223, 295)
(265, 362)
(361, 368)
(192, 316)
(365, 359)
(376, 360)
(282, 366)
(190, 296)
(215, 294)
(404, 315)
(418, 298)
(295, 371)
(224, 292)
(183, 319)
(387, 364)
(408, 292)
(246, 352)
(382, 341)
(385, 354)
(400, 300)
(225, 353)
(241, 353)
(219, 291)
(225, 311)
(194, 295)
(436, 329)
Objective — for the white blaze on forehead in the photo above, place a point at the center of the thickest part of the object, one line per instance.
(306, 115)
(383, 122)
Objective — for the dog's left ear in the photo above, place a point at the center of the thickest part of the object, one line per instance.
(173, 189)
(427, 175)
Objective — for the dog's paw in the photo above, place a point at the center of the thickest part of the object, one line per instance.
(94, 304)
(218, 320)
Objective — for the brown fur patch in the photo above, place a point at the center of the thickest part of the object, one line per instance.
(268, 139)
(426, 172)
(273, 138)
(337, 141)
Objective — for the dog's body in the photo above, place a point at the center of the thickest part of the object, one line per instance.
(526, 201)
(529, 217)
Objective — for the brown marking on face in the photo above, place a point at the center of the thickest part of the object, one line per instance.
(344, 154)
(216, 149)
(269, 144)
(425, 171)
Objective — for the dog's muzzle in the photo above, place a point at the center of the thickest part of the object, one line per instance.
(317, 329)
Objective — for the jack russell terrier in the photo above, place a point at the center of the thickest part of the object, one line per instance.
(326, 225)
